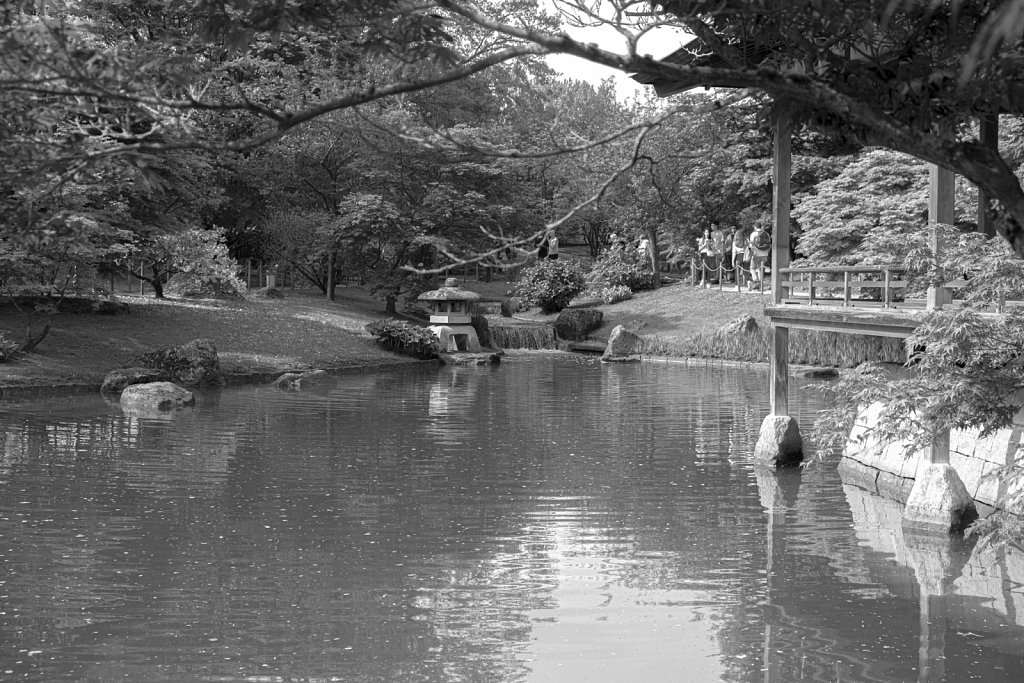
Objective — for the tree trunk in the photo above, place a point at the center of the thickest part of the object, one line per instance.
(652, 257)
(390, 305)
(158, 287)
(331, 281)
(32, 341)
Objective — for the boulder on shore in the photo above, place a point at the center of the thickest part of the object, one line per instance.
(745, 324)
(194, 364)
(116, 380)
(623, 346)
(155, 396)
(573, 324)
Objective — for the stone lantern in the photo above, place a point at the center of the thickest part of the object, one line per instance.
(450, 317)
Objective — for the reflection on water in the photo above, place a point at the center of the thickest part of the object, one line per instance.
(551, 519)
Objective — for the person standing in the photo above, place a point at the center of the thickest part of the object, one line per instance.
(718, 240)
(706, 250)
(760, 248)
(542, 246)
(553, 247)
(740, 257)
(643, 252)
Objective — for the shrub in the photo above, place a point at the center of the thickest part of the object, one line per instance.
(617, 268)
(615, 294)
(404, 337)
(201, 264)
(549, 284)
(510, 307)
(7, 348)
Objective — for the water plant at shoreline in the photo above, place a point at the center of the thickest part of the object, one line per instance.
(405, 337)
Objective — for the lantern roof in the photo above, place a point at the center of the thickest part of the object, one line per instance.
(450, 292)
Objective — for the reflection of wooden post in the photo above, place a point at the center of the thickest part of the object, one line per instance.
(931, 652)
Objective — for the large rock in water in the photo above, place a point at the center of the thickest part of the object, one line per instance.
(116, 380)
(779, 443)
(575, 323)
(297, 381)
(194, 364)
(155, 396)
(623, 346)
(483, 329)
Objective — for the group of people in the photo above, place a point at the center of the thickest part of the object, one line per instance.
(547, 247)
(741, 252)
(643, 247)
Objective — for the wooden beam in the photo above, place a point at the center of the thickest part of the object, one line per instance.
(781, 170)
(882, 322)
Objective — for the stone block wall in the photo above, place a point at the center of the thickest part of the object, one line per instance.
(889, 467)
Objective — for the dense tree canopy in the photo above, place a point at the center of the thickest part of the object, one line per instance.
(118, 115)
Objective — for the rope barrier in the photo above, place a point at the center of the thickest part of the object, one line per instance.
(722, 271)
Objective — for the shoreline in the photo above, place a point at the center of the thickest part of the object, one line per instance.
(42, 389)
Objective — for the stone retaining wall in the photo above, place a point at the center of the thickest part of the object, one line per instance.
(889, 467)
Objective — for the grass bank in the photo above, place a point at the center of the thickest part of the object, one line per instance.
(259, 337)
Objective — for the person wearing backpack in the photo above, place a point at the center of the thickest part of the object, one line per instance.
(760, 248)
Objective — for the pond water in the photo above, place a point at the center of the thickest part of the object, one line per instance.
(549, 519)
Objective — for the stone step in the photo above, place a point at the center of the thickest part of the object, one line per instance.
(588, 346)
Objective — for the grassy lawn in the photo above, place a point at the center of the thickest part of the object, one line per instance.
(303, 330)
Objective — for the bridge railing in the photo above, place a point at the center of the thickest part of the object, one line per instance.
(858, 286)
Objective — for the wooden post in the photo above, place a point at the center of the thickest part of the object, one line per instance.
(811, 293)
(941, 197)
(886, 291)
(778, 377)
(782, 168)
(846, 288)
(989, 134)
(778, 371)
(938, 452)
